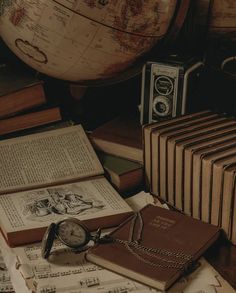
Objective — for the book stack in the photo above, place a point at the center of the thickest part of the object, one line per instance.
(121, 137)
(23, 103)
(125, 175)
(190, 162)
(119, 145)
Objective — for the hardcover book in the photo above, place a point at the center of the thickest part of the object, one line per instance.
(125, 175)
(48, 176)
(228, 195)
(19, 90)
(121, 137)
(30, 120)
(155, 246)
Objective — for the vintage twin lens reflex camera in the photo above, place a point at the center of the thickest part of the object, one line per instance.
(167, 87)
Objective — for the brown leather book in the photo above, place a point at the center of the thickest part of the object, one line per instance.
(121, 137)
(20, 90)
(30, 120)
(228, 198)
(155, 246)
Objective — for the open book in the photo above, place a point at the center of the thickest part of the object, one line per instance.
(48, 176)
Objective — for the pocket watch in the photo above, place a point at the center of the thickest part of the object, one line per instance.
(71, 232)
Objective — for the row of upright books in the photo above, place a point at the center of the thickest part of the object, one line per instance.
(190, 162)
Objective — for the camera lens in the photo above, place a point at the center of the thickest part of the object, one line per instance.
(162, 106)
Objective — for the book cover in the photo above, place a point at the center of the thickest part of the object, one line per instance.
(124, 174)
(15, 78)
(29, 120)
(154, 247)
(121, 137)
(20, 90)
(228, 197)
(34, 171)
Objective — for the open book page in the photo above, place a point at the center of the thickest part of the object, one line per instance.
(87, 200)
(39, 159)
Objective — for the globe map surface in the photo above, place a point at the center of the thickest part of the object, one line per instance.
(82, 40)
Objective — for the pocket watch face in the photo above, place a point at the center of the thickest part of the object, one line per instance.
(73, 233)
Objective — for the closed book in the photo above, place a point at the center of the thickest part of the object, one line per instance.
(155, 246)
(125, 175)
(29, 120)
(121, 137)
(19, 90)
(228, 197)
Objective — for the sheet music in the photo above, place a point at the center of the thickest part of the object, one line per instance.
(68, 272)
(5, 279)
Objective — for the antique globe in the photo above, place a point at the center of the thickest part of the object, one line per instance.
(94, 40)
(83, 40)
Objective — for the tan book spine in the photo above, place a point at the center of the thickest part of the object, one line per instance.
(197, 165)
(30, 120)
(188, 166)
(228, 193)
(216, 190)
(232, 235)
(179, 174)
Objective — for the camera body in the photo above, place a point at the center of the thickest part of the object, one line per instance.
(168, 87)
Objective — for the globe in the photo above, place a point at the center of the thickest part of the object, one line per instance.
(83, 40)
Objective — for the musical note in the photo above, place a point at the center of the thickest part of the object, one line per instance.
(90, 282)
